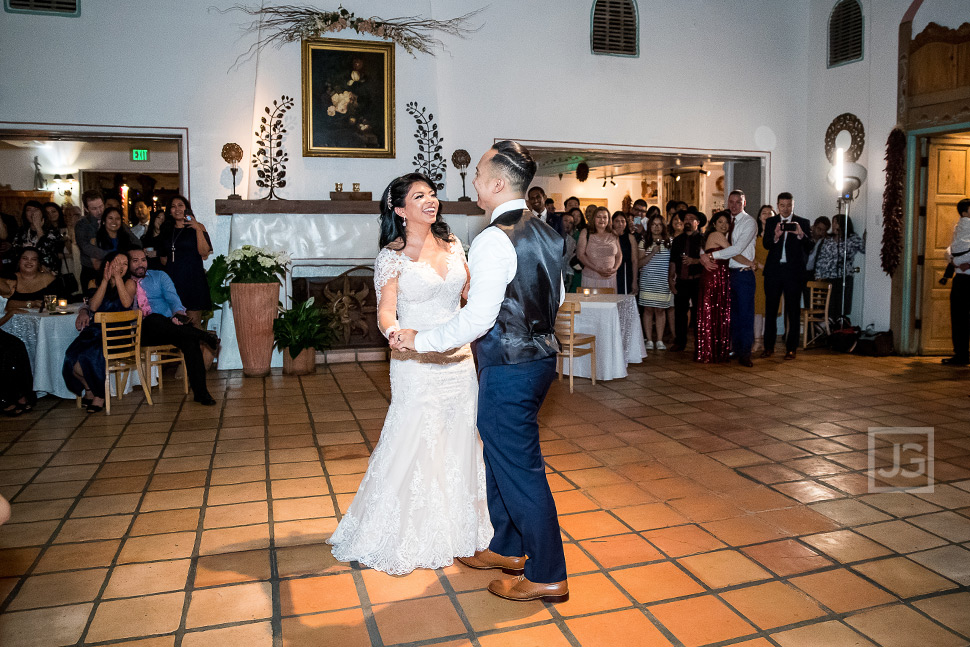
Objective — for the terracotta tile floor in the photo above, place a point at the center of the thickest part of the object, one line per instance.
(699, 506)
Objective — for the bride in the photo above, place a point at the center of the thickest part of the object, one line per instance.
(422, 501)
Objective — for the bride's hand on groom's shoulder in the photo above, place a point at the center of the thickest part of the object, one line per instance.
(403, 339)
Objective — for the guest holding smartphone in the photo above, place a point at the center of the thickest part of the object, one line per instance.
(183, 245)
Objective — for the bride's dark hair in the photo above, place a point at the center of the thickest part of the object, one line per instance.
(392, 225)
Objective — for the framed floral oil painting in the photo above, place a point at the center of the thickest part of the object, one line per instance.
(348, 98)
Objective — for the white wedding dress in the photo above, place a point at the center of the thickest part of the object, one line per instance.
(422, 501)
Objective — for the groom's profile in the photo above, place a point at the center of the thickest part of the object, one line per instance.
(516, 266)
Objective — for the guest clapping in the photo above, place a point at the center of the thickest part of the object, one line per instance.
(598, 249)
(84, 369)
(184, 246)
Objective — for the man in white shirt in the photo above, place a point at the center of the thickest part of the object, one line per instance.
(958, 253)
(512, 315)
(542, 211)
(744, 231)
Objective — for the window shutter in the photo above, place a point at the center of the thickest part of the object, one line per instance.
(59, 7)
(614, 29)
(845, 33)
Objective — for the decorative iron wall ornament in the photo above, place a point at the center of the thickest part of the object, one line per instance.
(428, 159)
(851, 124)
(270, 158)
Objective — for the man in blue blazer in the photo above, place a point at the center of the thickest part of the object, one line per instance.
(787, 239)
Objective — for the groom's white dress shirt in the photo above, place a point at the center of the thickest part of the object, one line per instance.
(743, 237)
(492, 264)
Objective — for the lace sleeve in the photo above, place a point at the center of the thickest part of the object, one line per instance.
(387, 266)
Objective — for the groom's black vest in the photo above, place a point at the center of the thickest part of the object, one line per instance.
(525, 330)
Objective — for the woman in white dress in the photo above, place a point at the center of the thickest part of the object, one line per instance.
(422, 501)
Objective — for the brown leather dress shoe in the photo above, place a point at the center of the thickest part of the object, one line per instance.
(790, 355)
(520, 589)
(486, 559)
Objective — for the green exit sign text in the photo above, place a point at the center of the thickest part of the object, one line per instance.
(139, 154)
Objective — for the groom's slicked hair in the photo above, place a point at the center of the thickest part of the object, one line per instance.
(515, 162)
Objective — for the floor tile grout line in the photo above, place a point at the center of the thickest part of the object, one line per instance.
(195, 555)
(4, 604)
(367, 610)
(276, 620)
(99, 598)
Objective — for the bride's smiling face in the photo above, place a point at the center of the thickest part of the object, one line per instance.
(420, 205)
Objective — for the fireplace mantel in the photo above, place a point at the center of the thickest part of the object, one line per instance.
(324, 238)
(232, 207)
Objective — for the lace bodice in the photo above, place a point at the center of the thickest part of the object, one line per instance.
(424, 298)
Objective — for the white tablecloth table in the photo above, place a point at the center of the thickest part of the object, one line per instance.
(47, 337)
(615, 321)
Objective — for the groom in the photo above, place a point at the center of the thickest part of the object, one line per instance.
(516, 288)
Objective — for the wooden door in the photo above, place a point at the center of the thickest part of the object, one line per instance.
(947, 183)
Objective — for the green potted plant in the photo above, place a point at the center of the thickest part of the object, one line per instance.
(299, 333)
(255, 275)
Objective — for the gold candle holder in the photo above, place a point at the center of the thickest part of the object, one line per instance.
(356, 187)
(338, 186)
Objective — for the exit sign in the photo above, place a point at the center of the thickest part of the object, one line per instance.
(139, 154)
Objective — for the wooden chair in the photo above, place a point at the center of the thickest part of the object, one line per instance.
(571, 342)
(817, 312)
(596, 290)
(159, 356)
(121, 345)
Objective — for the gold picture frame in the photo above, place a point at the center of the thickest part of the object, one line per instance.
(348, 98)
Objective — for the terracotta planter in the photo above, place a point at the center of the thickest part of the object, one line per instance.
(304, 364)
(254, 307)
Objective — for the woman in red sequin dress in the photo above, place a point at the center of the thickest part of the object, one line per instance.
(714, 309)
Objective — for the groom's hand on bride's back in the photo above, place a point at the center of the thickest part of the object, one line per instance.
(403, 339)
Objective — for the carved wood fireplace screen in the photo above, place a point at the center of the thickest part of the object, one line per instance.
(352, 301)
(934, 76)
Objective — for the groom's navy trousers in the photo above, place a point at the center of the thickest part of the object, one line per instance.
(520, 502)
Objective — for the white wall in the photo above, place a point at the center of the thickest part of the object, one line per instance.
(728, 75)
(868, 90)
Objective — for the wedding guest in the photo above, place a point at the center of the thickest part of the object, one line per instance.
(85, 233)
(38, 234)
(165, 321)
(958, 253)
(670, 209)
(72, 252)
(568, 227)
(788, 243)
(740, 253)
(639, 211)
(152, 237)
(685, 265)
(655, 295)
(8, 255)
(55, 216)
(84, 368)
(114, 235)
(542, 211)
(598, 249)
(675, 226)
(574, 263)
(820, 230)
(30, 283)
(836, 251)
(588, 215)
(627, 275)
(761, 255)
(572, 202)
(185, 245)
(714, 312)
(142, 218)
(16, 380)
